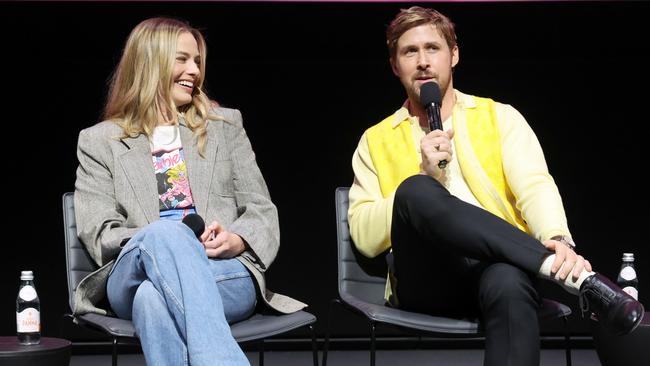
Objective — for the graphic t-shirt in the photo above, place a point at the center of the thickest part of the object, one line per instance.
(175, 197)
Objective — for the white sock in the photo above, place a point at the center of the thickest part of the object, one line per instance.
(568, 284)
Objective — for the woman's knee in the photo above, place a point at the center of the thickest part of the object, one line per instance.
(168, 228)
(166, 234)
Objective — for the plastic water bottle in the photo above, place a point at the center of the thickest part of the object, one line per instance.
(627, 278)
(28, 311)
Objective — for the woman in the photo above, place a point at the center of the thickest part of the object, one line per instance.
(162, 153)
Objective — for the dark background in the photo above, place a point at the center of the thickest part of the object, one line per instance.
(309, 79)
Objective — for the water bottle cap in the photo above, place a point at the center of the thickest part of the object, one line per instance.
(26, 275)
(628, 257)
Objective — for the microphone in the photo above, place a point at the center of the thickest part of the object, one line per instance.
(431, 100)
(195, 222)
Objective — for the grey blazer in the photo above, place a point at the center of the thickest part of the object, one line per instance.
(116, 194)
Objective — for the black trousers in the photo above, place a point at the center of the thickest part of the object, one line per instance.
(454, 259)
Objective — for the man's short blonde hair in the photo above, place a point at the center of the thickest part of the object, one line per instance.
(416, 16)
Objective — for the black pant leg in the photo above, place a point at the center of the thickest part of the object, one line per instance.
(509, 303)
(429, 279)
(452, 258)
(425, 208)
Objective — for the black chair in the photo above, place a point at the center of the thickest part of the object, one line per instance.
(79, 264)
(362, 283)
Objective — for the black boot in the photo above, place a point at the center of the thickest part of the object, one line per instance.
(616, 310)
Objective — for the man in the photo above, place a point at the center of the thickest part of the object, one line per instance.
(470, 237)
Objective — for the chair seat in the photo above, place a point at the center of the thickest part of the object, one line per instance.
(552, 309)
(111, 325)
(263, 325)
(256, 327)
(407, 319)
(381, 313)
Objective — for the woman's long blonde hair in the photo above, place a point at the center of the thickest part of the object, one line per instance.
(140, 88)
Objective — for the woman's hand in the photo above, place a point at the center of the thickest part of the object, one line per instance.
(221, 243)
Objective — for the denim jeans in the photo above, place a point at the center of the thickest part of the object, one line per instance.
(180, 301)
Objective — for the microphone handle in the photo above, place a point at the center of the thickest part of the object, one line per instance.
(435, 123)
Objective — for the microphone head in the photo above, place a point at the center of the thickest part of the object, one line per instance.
(195, 222)
(430, 94)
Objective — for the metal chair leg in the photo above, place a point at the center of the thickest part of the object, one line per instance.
(114, 360)
(314, 347)
(261, 348)
(372, 343)
(567, 341)
(327, 332)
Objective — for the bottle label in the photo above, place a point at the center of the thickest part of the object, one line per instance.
(628, 273)
(28, 321)
(632, 292)
(27, 293)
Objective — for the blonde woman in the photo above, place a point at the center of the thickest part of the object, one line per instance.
(162, 153)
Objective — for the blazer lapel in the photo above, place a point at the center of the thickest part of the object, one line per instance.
(138, 168)
(199, 169)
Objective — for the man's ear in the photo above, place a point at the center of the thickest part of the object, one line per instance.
(455, 56)
(393, 66)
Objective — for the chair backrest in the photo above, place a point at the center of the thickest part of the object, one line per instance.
(77, 260)
(359, 276)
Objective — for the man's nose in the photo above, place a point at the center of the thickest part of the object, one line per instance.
(423, 60)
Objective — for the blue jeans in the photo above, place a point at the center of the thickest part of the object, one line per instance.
(180, 301)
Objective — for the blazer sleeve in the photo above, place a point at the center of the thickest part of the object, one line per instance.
(100, 225)
(257, 222)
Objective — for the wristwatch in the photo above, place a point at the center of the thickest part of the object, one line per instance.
(566, 240)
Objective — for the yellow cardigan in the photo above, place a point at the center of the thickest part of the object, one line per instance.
(500, 160)
(394, 156)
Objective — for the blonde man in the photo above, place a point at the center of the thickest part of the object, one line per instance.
(468, 238)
